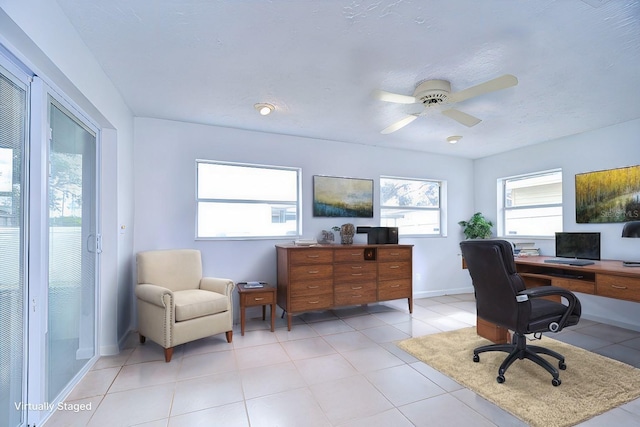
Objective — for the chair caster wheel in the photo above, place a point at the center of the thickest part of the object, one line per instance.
(500, 379)
(476, 358)
(556, 382)
(562, 365)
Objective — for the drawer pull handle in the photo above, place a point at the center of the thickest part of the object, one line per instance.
(618, 287)
(258, 299)
(313, 271)
(313, 256)
(395, 286)
(356, 287)
(313, 287)
(356, 296)
(356, 274)
(356, 254)
(394, 253)
(314, 302)
(356, 267)
(394, 266)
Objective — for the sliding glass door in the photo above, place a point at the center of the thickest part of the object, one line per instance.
(73, 247)
(13, 138)
(49, 245)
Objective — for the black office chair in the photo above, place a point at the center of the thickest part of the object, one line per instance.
(501, 298)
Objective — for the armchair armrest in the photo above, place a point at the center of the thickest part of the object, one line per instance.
(545, 291)
(153, 294)
(219, 285)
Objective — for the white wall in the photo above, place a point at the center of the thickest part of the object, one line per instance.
(40, 35)
(612, 147)
(165, 153)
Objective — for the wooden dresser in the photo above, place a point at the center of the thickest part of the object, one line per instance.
(327, 276)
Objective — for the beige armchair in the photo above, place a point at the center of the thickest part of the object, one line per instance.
(176, 304)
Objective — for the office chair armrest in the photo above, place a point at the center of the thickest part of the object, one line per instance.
(545, 291)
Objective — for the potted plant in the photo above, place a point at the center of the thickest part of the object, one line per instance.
(478, 227)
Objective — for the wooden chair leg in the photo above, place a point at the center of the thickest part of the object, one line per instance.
(142, 339)
(229, 336)
(168, 353)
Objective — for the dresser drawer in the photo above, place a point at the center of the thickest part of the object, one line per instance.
(394, 254)
(313, 302)
(355, 296)
(394, 270)
(311, 256)
(356, 287)
(355, 272)
(348, 255)
(311, 288)
(394, 289)
(311, 272)
(625, 288)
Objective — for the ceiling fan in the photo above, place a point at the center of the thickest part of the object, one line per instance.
(438, 92)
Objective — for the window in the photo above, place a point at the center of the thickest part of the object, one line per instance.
(247, 201)
(412, 205)
(531, 204)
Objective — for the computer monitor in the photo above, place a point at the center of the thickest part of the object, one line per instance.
(578, 245)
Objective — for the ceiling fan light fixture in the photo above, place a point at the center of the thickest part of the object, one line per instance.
(453, 139)
(264, 108)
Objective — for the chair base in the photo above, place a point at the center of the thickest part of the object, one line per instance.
(168, 352)
(518, 350)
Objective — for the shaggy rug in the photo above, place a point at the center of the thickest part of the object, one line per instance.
(591, 384)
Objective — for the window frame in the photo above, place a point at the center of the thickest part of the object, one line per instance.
(441, 209)
(503, 208)
(297, 203)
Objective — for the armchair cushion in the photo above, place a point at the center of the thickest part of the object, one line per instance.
(194, 303)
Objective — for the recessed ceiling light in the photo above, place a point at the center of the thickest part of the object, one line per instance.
(264, 108)
(453, 139)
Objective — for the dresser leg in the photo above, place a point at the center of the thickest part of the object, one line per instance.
(289, 321)
(410, 305)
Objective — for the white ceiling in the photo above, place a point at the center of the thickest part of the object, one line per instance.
(318, 62)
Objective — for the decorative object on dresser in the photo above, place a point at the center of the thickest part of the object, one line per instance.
(346, 234)
(324, 277)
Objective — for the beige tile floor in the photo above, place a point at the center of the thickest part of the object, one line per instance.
(334, 368)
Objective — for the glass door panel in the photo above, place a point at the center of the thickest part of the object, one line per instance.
(70, 341)
(13, 134)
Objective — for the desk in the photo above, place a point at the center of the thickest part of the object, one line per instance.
(606, 278)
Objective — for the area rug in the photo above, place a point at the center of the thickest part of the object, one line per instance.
(591, 384)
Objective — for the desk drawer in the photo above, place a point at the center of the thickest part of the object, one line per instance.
(583, 286)
(310, 256)
(625, 288)
(303, 273)
(356, 272)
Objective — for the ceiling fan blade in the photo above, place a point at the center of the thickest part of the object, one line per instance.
(394, 97)
(398, 125)
(464, 118)
(498, 83)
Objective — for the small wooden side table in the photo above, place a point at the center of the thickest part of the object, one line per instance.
(251, 297)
